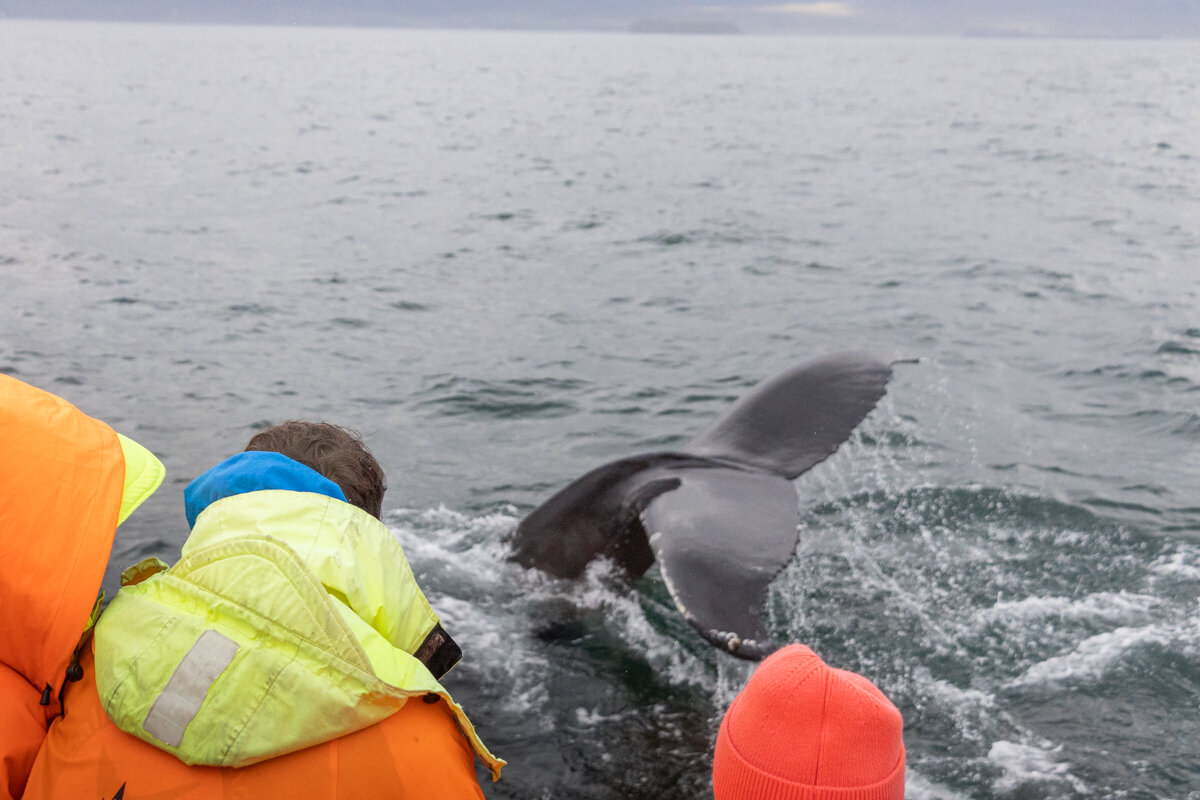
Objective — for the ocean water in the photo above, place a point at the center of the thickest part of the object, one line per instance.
(509, 257)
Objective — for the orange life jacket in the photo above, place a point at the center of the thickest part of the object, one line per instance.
(61, 484)
(418, 752)
(63, 489)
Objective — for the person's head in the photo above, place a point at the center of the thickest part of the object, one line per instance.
(802, 730)
(337, 453)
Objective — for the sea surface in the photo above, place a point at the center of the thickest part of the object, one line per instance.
(509, 257)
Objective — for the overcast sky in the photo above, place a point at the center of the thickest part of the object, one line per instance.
(1141, 18)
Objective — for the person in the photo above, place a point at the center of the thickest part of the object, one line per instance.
(802, 730)
(67, 482)
(288, 651)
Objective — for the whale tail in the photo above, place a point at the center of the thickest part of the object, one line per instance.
(721, 517)
(797, 418)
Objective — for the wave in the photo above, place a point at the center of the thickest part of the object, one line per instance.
(970, 606)
(510, 399)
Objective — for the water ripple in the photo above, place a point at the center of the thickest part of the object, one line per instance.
(525, 398)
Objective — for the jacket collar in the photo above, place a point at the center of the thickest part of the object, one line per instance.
(254, 471)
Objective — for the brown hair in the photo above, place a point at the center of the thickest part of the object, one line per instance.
(337, 453)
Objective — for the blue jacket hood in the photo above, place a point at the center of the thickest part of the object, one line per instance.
(254, 471)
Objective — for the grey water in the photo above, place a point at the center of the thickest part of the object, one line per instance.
(509, 257)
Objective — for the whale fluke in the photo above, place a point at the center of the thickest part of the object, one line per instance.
(796, 419)
(720, 539)
(721, 517)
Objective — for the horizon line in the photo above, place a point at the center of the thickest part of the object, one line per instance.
(629, 29)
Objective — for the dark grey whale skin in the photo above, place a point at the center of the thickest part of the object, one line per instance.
(721, 515)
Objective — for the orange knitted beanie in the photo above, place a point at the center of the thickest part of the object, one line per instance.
(802, 730)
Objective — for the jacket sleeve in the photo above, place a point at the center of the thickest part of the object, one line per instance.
(22, 731)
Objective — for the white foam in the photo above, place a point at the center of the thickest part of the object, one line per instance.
(591, 718)
(459, 561)
(486, 602)
(1095, 656)
(1091, 658)
(973, 711)
(1183, 563)
(957, 697)
(918, 787)
(1027, 763)
(454, 525)
(1104, 606)
(529, 701)
(732, 675)
(623, 610)
(442, 539)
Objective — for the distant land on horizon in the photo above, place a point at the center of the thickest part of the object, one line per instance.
(1049, 19)
(683, 26)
